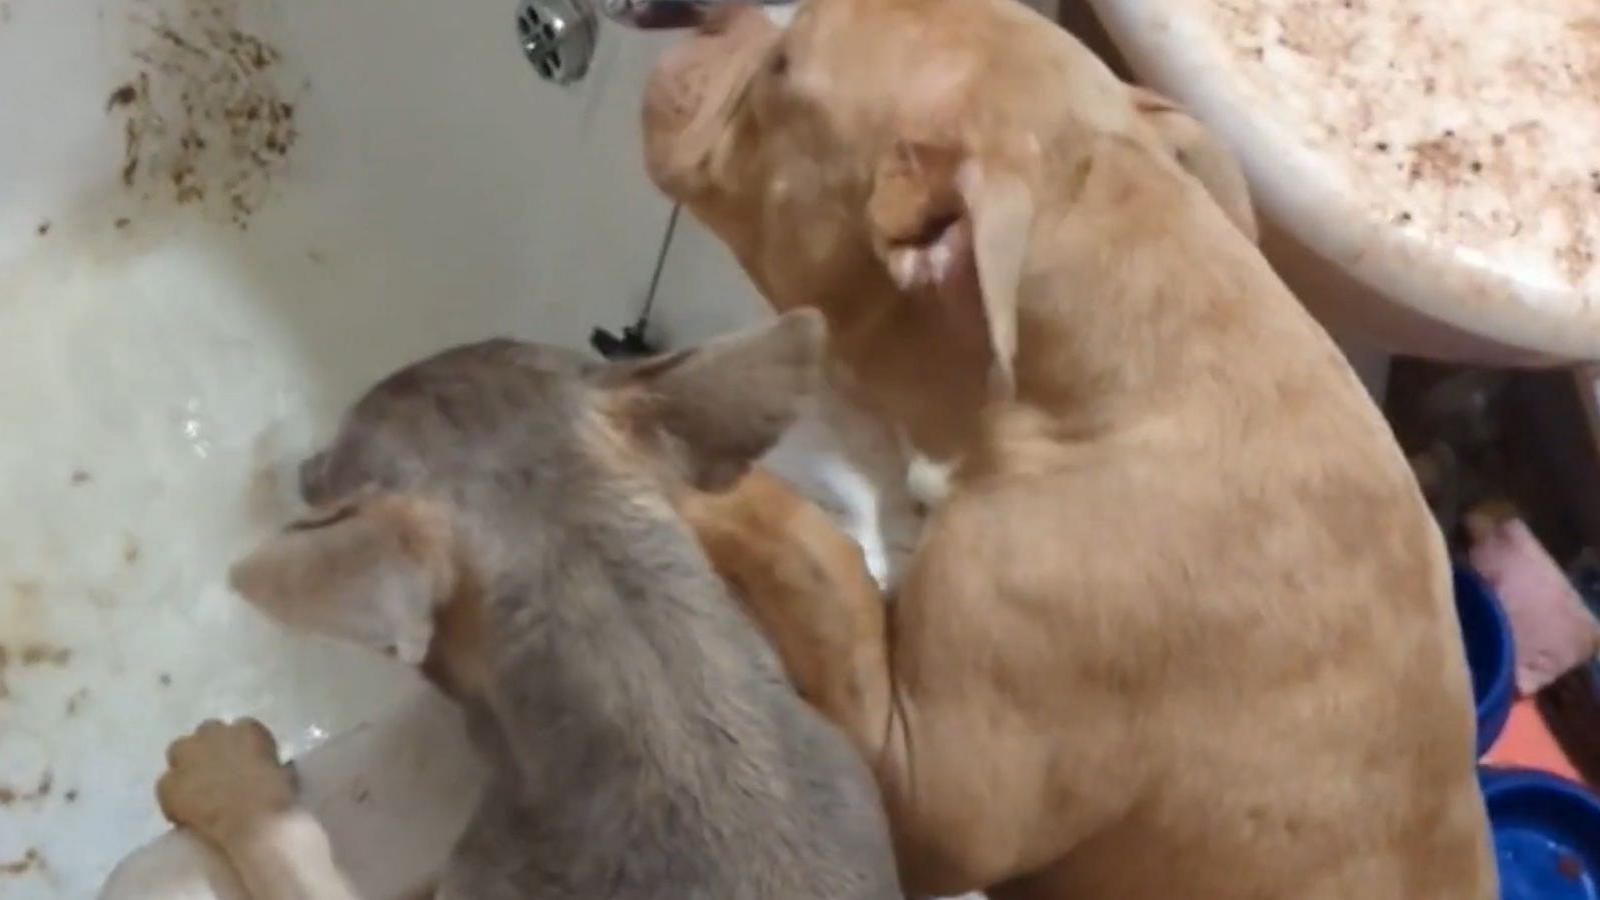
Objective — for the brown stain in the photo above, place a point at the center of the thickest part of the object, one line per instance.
(1439, 159)
(80, 477)
(122, 223)
(43, 229)
(122, 96)
(131, 551)
(30, 655)
(165, 679)
(70, 796)
(42, 654)
(1577, 255)
(76, 701)
(32, 861)
(206, 120)
(1311, 29)
(10, 796)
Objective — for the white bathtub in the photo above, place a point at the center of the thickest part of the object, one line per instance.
(163, 362)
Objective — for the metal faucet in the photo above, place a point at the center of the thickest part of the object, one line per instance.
(651, 15)
(558, 36)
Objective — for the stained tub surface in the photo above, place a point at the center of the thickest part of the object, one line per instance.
(1426, 170)
(219, 220)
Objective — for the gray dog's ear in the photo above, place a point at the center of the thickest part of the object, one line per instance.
(371, 572)
(1202, 155)
(725, 403)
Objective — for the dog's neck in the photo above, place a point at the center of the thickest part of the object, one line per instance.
(1150, 298)
(457, 660)
(618, 635)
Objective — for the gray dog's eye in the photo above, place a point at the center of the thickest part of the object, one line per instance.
(311, 476)
(315, 522)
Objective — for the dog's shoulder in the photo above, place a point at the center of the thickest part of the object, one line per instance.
(646, 714)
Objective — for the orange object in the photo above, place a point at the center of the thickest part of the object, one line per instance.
(1527, 742)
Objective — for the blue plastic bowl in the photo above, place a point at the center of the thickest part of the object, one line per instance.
(1490, 654)
(1546, 835)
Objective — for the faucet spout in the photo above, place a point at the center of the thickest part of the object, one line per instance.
(653, 15)
(558, 37)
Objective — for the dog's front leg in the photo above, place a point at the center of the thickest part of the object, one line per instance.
(961, 775)
(225, 783)
(807, 587)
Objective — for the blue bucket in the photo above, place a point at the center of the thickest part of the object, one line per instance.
(1490, 654)
(1546, 835)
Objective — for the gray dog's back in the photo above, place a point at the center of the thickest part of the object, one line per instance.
(669, 757)
(645, 741)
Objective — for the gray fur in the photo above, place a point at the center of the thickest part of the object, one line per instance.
(645, 741)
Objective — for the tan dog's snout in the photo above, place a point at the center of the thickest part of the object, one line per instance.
(693, 83)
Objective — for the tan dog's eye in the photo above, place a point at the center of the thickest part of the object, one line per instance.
(779, 66)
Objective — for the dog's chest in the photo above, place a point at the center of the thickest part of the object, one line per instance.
(853, 467)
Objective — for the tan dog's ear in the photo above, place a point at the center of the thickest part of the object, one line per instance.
(371, 572)
(959, 227)
(725, 403)
(1200, 154)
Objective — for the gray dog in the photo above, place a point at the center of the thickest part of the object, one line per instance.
(502, 514)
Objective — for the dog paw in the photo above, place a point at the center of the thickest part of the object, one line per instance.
(223, 779)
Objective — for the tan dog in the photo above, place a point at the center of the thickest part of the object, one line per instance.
(1183, 627)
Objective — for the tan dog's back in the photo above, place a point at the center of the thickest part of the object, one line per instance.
(1240, 612)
